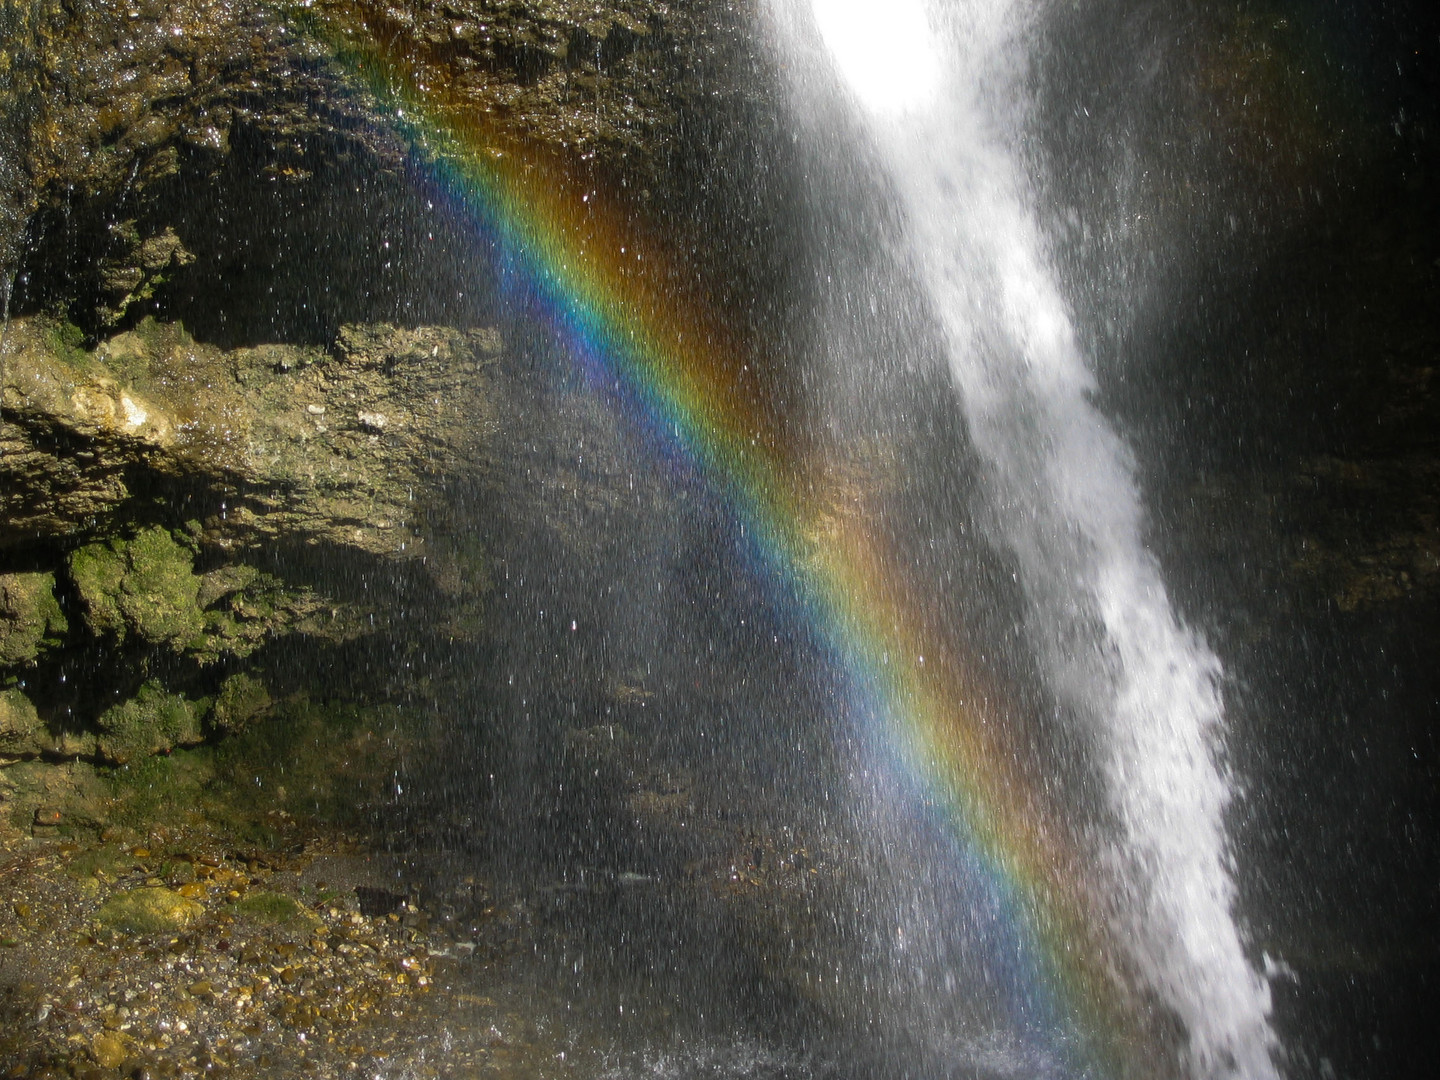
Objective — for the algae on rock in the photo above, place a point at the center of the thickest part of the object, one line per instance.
(241, 700)
(151, 722)
(20, 725)
(225, 501)
(145, 586)
(148, 910)
(30, 617)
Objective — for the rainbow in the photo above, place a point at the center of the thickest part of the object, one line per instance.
(644, 339)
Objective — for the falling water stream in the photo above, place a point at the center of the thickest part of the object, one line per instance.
(937, 104)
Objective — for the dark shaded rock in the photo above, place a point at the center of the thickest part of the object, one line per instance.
(242, 698)
(156, 157)
(374, 901)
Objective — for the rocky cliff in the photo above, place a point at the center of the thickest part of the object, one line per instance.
(250, 372)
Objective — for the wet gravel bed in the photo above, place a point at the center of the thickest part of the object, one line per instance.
(178, 956)
(184, 952)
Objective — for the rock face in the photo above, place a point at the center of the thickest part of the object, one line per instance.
(152, 471)
(326, 446)
(30, 617)
(305, 470)
(160, 155)
(253, 407)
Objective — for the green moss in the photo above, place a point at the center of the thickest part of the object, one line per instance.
(96, 571)
(146, 586)
(157, 338)
(149, 723)
(241, 699)
(19, 724)
(106, 862)
(272, 908)
(67, 341)
(48, 608)
(148, 911)
(30, 617)
(326, 760)
(158, 789)
(158, 595)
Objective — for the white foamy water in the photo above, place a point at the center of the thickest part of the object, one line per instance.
(943, 125)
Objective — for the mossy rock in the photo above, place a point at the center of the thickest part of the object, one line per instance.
(149, 911)
(20, 725)
(274, 909)
(151, 722)
(326, 760)
(146, 586)
(165, 789)
(30, 617)
(242, 698)
(106, 861)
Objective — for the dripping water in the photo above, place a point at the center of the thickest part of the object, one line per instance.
(931, 100)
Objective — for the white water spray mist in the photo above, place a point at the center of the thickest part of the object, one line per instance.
(938, 90)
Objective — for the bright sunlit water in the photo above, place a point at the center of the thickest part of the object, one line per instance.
(891, 59)
(942, 114)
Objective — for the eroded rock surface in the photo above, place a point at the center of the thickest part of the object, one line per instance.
(155, 478)
(329, 446)
(161, 153)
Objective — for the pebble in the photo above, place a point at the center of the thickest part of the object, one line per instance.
(110, 1049)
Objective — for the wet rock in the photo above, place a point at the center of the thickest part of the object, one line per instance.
(148, 911)
(90, 440)
(111, 1049)
(374, 902)
(110, 114)
(143, 586)
(20, 726)
(151, 722)
(274, 909)
(89, 430)
(242, 698)
(30, 617)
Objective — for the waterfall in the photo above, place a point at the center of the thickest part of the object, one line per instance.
(935, 96)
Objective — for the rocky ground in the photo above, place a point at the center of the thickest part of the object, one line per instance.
(271, 945)
(176, 956)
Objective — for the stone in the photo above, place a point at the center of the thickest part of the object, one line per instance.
(30, 617)
(242, 698)
(144, 586)
(151, 722)
(21, 730)
(149, 910)
(110, 1049)
(273, 908)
